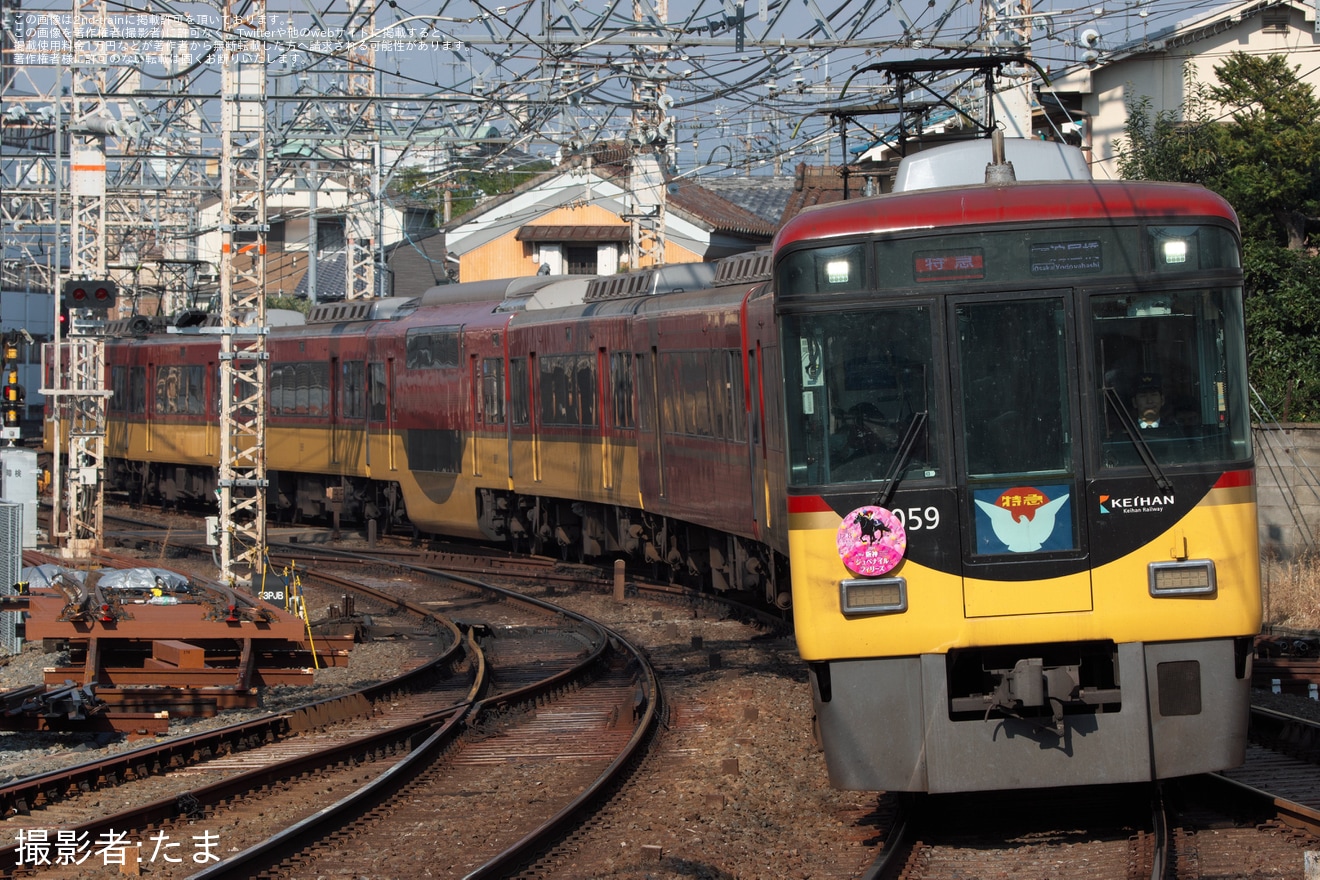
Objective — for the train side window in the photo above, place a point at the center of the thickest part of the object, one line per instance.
(568, 389)
(519, 392)
(137, 390)
(622, 382)
(377, 397)
(194, 392)
(687, 408)
(169, 391)
(352, 390)
(119, 389)
(434, 348)
(492, 390)
(729, 408)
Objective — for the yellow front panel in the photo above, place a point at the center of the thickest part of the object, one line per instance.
(1112, 602)
(983, 598)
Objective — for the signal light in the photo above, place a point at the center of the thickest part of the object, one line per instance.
(97, 293)
(14, 399)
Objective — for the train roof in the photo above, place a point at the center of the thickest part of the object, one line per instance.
(963, 163)
(1080, 201)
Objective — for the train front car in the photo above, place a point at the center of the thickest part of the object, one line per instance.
(1021, 490)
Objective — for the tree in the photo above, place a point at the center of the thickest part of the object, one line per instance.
(468, 186)
(1283, 331)
(1271, 146)
(1181, 144)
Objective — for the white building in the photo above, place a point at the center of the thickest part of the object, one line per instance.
(1096, 95)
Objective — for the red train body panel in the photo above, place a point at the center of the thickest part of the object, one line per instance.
(537, 412)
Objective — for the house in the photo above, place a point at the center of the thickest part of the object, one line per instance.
(307, 259)
(577, 219)
(1093, 97)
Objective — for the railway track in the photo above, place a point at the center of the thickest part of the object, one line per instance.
(1254, 821)
(296, 762)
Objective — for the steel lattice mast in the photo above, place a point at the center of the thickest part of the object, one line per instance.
(362, 227)
(243, 232)
(80, 363)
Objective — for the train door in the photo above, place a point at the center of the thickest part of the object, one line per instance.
(213, 410)
(349, 412)
(604, 392)
(1016, 423)
(336, 414)
(756, 439)
(149, 408)
(534, 413)
(649, 447)
(379, 412)
(476, 412)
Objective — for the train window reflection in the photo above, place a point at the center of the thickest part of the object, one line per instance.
(1164, 360)
(856, 383)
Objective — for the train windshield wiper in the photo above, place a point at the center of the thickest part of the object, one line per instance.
(899, 466)
(1134, 434)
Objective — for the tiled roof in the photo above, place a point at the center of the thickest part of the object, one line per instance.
(722, 215)
(763, 196)
(814, 185)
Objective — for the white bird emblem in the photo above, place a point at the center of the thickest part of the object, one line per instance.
(1028, 533)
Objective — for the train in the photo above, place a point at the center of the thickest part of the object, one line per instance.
(987, 439)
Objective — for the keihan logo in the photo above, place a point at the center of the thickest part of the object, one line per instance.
(1104, 499)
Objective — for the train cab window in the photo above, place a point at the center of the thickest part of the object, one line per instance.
(1183, 249)
(1013, 374)
(1162, 362)
(860, 389)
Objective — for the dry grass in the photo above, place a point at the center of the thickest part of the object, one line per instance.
(1291, 592)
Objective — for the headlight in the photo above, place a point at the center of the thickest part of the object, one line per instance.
(873, 596)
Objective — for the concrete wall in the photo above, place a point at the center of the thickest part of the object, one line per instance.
(1288, 488)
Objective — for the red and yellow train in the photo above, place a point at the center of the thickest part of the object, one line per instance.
(1005, 571)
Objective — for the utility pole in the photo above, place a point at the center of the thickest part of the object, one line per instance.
(1009, 26)
(650, 134)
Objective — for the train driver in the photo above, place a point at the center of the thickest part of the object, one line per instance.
(1148, 400)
